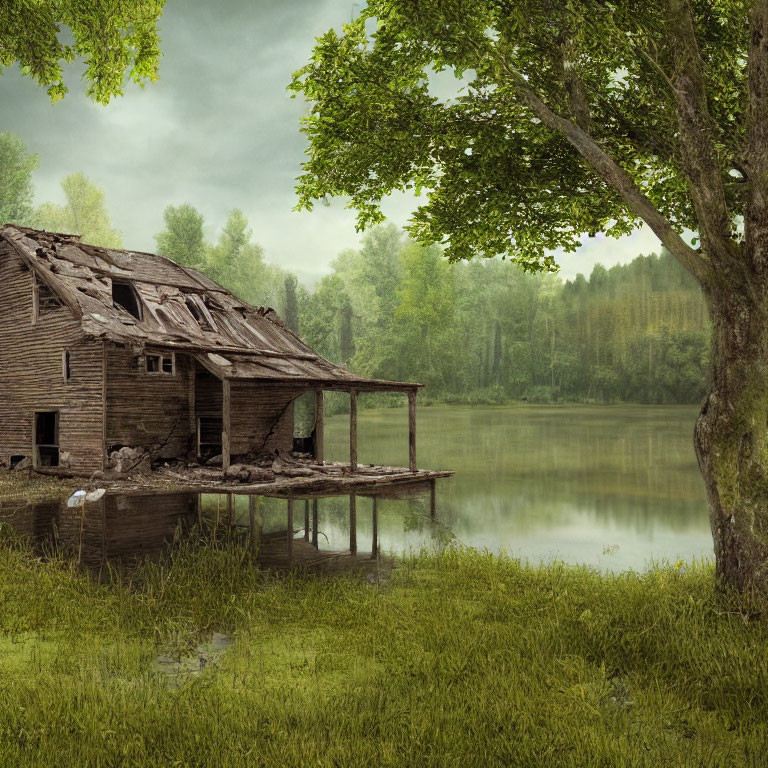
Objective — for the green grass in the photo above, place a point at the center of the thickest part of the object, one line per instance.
(462, 659)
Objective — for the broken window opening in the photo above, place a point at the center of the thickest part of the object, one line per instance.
(16, 459)
(165, 364)
(124, 295)
(66, 367)
(44, 299)
(46, 453)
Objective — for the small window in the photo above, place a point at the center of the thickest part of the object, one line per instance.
(124, 295)
(66, 369)
(161, 364)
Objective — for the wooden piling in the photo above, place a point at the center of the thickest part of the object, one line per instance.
(315, 505)
(412, 430)
(353, 430)
(306, 520)
(230, 510)
(253, 511)
(432, 501)
(375, 541)
(353, 523)
(289, 541)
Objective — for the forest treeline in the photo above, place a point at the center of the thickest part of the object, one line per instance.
(477, 332)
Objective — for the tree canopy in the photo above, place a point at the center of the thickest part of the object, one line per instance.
(182, 240)
(84, 213)
(16, 191)
(112, 38)
(651, 97)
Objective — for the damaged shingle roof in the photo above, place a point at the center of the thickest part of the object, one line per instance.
(181, 308)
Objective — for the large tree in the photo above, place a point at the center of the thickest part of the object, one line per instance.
(113, 38)
(84, 213)
(576, 118)
(16, 167)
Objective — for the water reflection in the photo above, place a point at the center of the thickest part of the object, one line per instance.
(611, 486)
(116, 529)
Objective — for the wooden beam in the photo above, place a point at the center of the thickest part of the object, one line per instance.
(225, 424)
(230, 510)
(375, 542)
(306, 520)
(253, 513)
(412, 430)
(289, 541)
(319, 424)
(353, 523)
(315, 505)
(353, 430)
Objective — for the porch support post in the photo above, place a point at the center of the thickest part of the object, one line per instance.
(353, 524)
(306, 520)
(375, 542)
(289, 541)
(353, 430)
(314, 523)
(319, 423)
(412, 430)
(225, 424)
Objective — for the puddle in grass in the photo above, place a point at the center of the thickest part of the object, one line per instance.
(179, 669)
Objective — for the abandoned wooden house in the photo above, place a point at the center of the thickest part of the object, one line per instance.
(104, 351)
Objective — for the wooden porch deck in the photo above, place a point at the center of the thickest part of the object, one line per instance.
(320, 481)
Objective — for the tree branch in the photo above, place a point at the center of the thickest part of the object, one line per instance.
(577, 96)
(756, 147)
(613, 175)
(700, 160)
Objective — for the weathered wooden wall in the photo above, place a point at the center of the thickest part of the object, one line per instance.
(259, 410)
(144, 409)
(31, 377)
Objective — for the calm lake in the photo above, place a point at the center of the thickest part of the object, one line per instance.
(612, 486)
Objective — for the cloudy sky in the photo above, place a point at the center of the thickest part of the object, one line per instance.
(218, 130)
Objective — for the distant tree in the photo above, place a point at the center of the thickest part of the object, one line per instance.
(319, 317)
(84, 213)
(236, 261)
(291, 303)
(16, 167)
(346, 331)
(182, 239)
(111, 37)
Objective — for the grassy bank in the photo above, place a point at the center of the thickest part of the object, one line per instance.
(459, 660)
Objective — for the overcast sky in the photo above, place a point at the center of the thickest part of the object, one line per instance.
(218, 130)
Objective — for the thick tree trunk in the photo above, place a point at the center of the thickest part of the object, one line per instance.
(731, 436)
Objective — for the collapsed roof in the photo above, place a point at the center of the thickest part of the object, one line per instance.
(139, 299)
